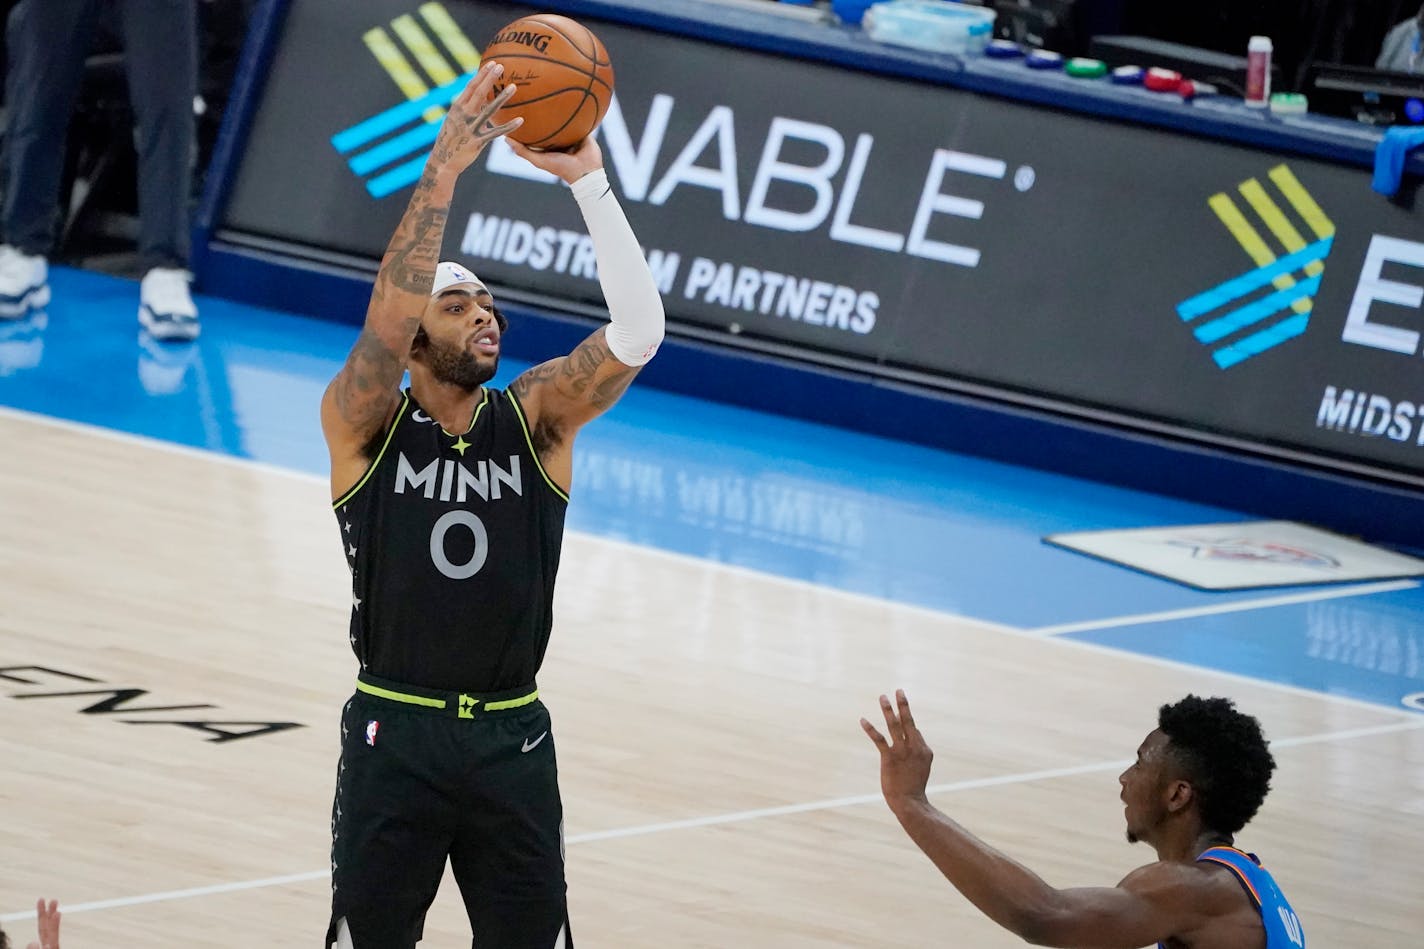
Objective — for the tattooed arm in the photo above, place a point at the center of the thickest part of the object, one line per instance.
(561, 395)
(358, 403)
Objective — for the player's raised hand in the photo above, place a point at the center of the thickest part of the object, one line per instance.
(467, 128)
(904, 757)
(570, 165)
(48, 915)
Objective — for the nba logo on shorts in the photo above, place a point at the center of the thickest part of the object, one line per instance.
(371, 727)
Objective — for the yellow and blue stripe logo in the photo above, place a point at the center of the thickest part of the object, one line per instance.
(1267, 306)
(389, 149)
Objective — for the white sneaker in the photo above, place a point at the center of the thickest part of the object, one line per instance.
(24, 283)
(162, 366)
(166, 308)
(22, 342)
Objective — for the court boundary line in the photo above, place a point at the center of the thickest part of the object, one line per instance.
(1236, 606)
(1415, 723)
(144, 441)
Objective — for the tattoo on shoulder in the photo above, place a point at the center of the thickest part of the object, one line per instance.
(533, 378)
(364, 387)
(594, 374)
(611, 387)
(590, 374)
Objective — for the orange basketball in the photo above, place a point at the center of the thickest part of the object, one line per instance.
(564, 77)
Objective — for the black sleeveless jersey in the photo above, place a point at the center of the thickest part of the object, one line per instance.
(453, 543)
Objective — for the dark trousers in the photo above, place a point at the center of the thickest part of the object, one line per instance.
(47, 43)
(414, 789)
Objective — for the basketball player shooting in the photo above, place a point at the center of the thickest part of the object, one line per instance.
(450, 499)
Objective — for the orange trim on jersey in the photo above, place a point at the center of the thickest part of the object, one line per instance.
(1236, 850)
(1245, 881)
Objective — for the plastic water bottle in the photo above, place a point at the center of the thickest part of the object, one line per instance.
(1258, 72)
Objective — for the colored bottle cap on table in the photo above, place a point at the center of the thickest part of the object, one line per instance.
(1288, 103)
(1128, 75)
(1043, 59)
(1003, 49)
(1081, 67)
(1162, 80)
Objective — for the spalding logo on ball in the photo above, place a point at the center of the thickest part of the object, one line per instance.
(564, 76)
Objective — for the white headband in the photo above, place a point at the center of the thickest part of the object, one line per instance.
(448, 274)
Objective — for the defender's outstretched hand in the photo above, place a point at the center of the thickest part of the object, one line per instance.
(48, 915)
(905, 757)
(467, 129)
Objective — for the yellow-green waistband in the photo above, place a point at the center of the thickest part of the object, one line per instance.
(446, 702)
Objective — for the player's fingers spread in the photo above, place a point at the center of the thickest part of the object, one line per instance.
(467, 93)
(496, 102)
(504, 95)
(488, 75)
(907, 718)
(892, 723)
(495, 131)
(478, 88)
(874, 735)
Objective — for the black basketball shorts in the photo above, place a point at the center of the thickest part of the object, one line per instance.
(472, 779)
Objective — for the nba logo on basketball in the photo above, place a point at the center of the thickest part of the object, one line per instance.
(371, 727)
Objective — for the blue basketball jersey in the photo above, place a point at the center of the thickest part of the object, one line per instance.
(1283, 929)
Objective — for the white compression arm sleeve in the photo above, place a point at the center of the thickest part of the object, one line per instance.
(634, 305)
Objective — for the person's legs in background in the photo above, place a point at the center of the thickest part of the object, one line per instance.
(46, 42)
(161, 53)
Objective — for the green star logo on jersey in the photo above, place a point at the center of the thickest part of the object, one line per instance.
(460, 445)
(467, 707)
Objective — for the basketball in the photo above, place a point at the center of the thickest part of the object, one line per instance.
(563, 75)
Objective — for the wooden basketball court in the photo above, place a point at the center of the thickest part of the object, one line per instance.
(718, 789)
